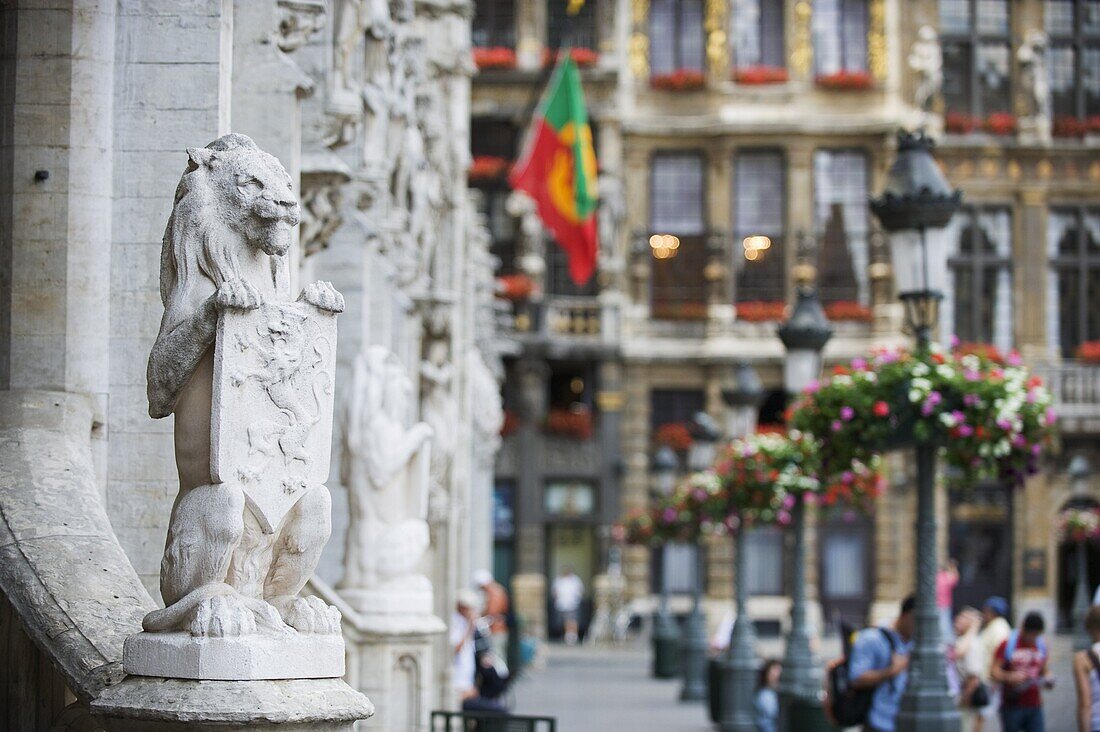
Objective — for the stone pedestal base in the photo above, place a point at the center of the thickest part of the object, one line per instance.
(404, 602)
(251, 657)
(392, 662)
(167, 705)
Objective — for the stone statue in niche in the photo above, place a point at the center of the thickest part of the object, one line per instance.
(487, 407)
(439, 406)
(385, 467)
(926, 60)
(354, 20)
(1035, 86)
(248, 375)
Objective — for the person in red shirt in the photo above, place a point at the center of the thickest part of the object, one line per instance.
(1020, 666)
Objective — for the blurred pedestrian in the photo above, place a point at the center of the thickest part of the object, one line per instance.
(568, 591)
(766, 701)
(966, 666)
(1020, 666)
(495, 610)
(463, 629)
(879, 661)
(995, 629)
(1086, 676)
(946, 581)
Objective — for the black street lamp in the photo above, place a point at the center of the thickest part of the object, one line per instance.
(739, 672)
(693, 643)
(1079, 471)
(665, 469)
(804, 336)
(918, 198)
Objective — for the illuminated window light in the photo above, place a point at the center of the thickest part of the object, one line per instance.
(664, 246)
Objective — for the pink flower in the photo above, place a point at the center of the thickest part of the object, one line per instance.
(813, 387)
(1014, 359)
(810, 499)
(965, 430)
(669, 515)
(846, 413)
(837, 426)
(955, 342)
(788, 501)
(783, 517)
(859, 364)
(971, 399)
(847, 477)
(1051, 417)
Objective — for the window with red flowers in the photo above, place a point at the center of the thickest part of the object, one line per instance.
(1074, 61)
(977, 61)
(676, 38)
(494, 24)
(756, 27)
(840, 36)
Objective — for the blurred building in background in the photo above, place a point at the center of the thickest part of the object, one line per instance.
(738, 143)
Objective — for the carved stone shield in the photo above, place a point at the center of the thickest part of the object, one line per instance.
(271, 423)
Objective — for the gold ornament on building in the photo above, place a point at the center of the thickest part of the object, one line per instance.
(802, 54)
(876, 39)
(1044, 169)
(639, 39)
(1014, 171)
(990, 168)
(714, 23)
(1094, 172)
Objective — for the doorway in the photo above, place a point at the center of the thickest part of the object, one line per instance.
(573, 546)
(980, 540)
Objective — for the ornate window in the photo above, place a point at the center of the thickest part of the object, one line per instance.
(840, 216)
(840, 36)
(578, 31)
(677, 197)
(1074, 61)
(676, 38)
(1073, 290)
(978, 303)
(977, 58)
(757, 33)
(759, 210)
(494, 24)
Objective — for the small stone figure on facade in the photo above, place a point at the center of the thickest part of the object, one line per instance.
(1035, 86)
(926, 60)
(248, 374)
(385, 468)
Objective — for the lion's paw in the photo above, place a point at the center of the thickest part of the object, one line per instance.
(310, 615)
(323, 296)
(237, 295)
(222, 616)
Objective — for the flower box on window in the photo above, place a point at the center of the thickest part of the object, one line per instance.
(1094, 123)
(1000, 123)
(679, 310)
(1069, 127)
(487, 168)
(848, 310)
(582, 57)
(960, 123)
(495, 57)
(760, 75)
(676, 435)
(846, 80)
(573, 423)
(1089, 352)
(679, 81)
(516, 287)
(759, 311)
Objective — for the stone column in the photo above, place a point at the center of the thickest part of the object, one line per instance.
(1030, 273)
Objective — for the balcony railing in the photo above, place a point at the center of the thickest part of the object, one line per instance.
(1076, 390)
(573, 319)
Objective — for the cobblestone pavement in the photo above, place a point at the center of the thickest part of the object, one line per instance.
(611, 690)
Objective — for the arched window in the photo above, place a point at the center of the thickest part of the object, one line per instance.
(978, 302)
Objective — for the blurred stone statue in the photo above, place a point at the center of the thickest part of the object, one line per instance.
(385, 467)
(926, 60)
(247, 374)
(1035, 86)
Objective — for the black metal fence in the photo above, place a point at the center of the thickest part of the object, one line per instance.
(490, 722)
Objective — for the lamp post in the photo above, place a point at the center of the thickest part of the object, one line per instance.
(1079, 471)
(804, 336)
(664, 467)
(918, 198)
(693, 642)
(739, 669)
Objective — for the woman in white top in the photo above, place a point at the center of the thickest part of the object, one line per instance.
(1086, 676)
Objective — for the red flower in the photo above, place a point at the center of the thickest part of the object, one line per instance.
(494, 58)
(938, 358)
(1069, 127)
(960, 123)
(841, 371)
(1000, 123)
(759, 311)
(570, 423)
(848, 310)
(582, 57)
(984, 351)
(515, 287)
(844, 79)
(757, 75)
(1089, 352)
(675, 435)
(487, 167)
(881, 409)
(679, 80)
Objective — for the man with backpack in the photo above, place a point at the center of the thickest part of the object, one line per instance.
(1020, 666)
(878, 668)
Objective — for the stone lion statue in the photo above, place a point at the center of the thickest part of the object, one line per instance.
(225, 248)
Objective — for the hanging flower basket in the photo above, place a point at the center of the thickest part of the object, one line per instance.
(760, 75)
(515, 287)
(1078, 524)
(848, 310)
(582, 57)
(959, 123)
(1069, 127)
(1088, 352)
(572, 423)
(487, 168)
(991, 421)
(985, 351)
(764, 473)
(495, 57)
(681, 80)
(760, 311)
(1000, 123)
(845, 80)
(698, 507)
(676, 435)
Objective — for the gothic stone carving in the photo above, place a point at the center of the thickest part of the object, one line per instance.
(248, 376)
(926, 60)
(1035, 86)
(386, 470)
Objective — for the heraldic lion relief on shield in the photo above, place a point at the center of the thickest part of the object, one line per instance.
(248, 375)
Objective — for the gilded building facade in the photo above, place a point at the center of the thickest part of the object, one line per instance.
(751, 133)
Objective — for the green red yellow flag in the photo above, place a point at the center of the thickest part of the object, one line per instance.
(558, 169)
